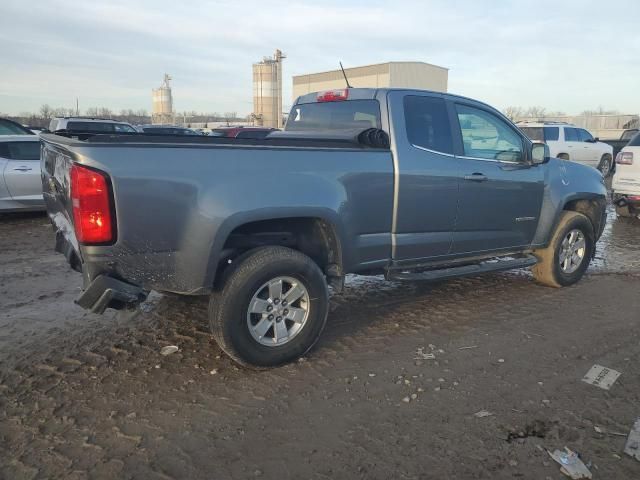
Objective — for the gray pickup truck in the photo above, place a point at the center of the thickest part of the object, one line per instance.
(411, 184)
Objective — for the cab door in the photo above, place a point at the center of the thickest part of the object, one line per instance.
(575, 147)
(427, 175)
(500, 190)
(590, 153)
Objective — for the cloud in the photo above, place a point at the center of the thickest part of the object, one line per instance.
(568, 56)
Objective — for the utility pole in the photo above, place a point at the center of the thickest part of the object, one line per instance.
(77, 108)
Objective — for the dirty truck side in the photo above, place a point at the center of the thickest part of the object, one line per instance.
(411, 184)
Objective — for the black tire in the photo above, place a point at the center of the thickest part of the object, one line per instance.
(564, 156)
(606, 165)
(229, 306)
(547, 271)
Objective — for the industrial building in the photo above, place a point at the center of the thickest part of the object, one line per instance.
(267, 91)
(417, 75)
(162, 103)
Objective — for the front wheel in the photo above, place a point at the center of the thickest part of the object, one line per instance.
(567, 257)
(272, 308)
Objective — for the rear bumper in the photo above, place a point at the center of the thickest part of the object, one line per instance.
(107, 292)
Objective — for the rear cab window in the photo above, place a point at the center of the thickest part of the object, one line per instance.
(339, 115)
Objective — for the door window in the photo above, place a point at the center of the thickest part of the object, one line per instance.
(20, 150)
(487, 136)
(427, 123)
(584, 135)
(571, 135)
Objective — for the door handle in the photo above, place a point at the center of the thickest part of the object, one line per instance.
(476, 177)
(23, 169)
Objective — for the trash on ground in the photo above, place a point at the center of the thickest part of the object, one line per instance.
(421, 355)
(601, 377)
(168, 350)
(570, 464)
(483, 413)
(467, 348)
(632, 447)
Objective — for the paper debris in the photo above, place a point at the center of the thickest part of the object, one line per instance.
(168, 350)
(482, 414)
(570, 464)
(601, 377)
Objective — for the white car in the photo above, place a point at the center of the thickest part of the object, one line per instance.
(20, 182)
(626, 179)
(571, 143)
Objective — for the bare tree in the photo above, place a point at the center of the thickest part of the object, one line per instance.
(46, 111)
(535, 111)
(513, 113)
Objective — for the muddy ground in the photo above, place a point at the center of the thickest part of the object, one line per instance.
(86, 396)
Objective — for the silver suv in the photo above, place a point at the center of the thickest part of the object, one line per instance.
(90, 124)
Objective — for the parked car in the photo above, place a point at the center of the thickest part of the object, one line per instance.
(166, 130)
(626, 179)
(411, 184)
(9, 127)
(242, 132)
(36, 130)
(20, 183)
(89, 125)
(571, 143)
(618, 144)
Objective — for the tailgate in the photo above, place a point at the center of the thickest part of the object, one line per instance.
(627, 176)
(55, 166)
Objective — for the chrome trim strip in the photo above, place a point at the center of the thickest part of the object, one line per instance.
(432, 151)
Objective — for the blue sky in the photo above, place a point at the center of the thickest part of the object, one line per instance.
(563, 55)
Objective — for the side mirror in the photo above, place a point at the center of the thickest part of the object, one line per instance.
(596, 140)
(539, 153)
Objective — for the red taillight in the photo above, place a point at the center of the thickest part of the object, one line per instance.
(91, 202)
(333, 95)
(624, 158)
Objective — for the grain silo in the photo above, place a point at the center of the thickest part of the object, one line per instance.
(162, 112)
(267, 91)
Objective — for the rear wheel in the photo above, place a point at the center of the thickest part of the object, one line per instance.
(569, 252)
(272, 308)
(564, 156)
(605, 165)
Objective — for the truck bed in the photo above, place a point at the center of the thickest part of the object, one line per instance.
(178, 199)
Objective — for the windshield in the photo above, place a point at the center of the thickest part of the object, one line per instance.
(534, 133)
(351, 114)
(635, 141)
(628, 134)
(8, 127)
(541, 134)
